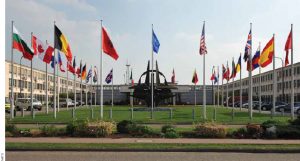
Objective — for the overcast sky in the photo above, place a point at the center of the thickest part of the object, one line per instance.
(177, 24)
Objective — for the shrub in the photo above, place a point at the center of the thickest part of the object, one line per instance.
(210, 131)
(296, 121)
(11, 128)
(122, 127)
(141, 131)
(170, 133)
(100, 129)
(167, 127)
(77, 128)
(254, 131)
(270, 123)
(240, 133)
(51, 131)
(8, 134)
(288, 132)
(35, 132)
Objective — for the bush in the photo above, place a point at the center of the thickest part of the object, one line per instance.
(51, 131)
(141, 131)
(35, 132)
(240, 133)
(77, 128)
(296, 121)
(270, 123)
(288, 132)
(210, 131)
(100, 129)
(167, 127)
(11, 128)
(254, 131)
(122, 127)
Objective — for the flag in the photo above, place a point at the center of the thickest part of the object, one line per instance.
(288, 45)
(70, 67)
(107, 45)
(44, 52)
(155, 42)
(216, 78)
(95, 77)
(267, 54)
(195, 77)
(20, 45)
(212, 77)
(61, 43)
(53, 60)
(60, 62)
(83, 72)
(248, 46)
(131, 78)
(173, 77)
(238, 65)
(227, 73)
(223, 72)
(255, 59)
(203, 49)
(79, 69)
(89, 75)
(109, 77)
(233, 72)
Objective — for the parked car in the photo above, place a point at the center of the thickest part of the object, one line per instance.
(25, 103)
(63, 102)
(288, 108)
(278, 106)
(7, 105)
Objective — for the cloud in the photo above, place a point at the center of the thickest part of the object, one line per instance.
(81, 5)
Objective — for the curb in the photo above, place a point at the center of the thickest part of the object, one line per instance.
(164, 150)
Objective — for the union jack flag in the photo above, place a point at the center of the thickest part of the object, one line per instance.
(248, 46)
(203, 49)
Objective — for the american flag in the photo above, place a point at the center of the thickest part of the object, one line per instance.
(203, 49)
(248, 46)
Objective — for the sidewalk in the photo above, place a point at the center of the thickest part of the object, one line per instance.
(147, 140)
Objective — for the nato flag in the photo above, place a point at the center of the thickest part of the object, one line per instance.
(155, 42)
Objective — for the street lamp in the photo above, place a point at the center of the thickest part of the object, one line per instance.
(20, 77)
(282, 78)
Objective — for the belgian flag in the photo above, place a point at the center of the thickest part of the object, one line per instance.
(61, 43)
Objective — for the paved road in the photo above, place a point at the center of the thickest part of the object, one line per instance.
(147, 156)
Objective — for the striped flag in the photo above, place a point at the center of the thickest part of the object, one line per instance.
(203, 49)
(248, 46)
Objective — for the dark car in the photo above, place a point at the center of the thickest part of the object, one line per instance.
(278, 106)
(287, 108)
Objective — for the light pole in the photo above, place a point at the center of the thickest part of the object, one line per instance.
(282, 77)
(20, 77)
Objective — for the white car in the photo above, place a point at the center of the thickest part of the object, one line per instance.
(25, 103)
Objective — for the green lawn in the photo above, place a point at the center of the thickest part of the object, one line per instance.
(148, 146)
(181, 115)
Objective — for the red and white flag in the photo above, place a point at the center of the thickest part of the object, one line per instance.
(44, 52)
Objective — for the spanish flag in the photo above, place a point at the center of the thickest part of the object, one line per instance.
(61, 43)
(267, 54)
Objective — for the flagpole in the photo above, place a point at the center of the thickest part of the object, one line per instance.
(222, 87)
(293, 75)
(101, 73)
(274, 82)
(259, 107)
(91, 87)
(86, 91)
(97, 85)
(233, 90)
(54, 80)
(12, 109)
(250, 76)
(47, 108)
(227, 86)
(204, 87)
(112, 93)
(58, 87)
(218, 87)
(212, 87)
(152, 75)
(31, 84)
(75, 89)
(81, 88)
(67, 86)
(241, 91)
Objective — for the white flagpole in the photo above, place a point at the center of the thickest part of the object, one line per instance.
(31, 84)
(47, 108)
(101, 73)
(212, 87)
(233, 91)
(91, 87)
(112, 93)
(293, 75)
(222, 102)
(227, 87)
(241, 91)
(86, 91)
(54, 81)
(274, 82)
(67, 86)
(12, 107)
(75, 89)
(204, 89)
(58, 89)
(152, 75)
(218, 102)
(250, 76)
(81, 86)
(259, 107)
(95, 68)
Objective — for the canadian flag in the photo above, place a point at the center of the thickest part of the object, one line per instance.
(44, 52)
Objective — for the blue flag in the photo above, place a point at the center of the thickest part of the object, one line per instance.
(53, 59)
(155, 42)
(109, 77)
